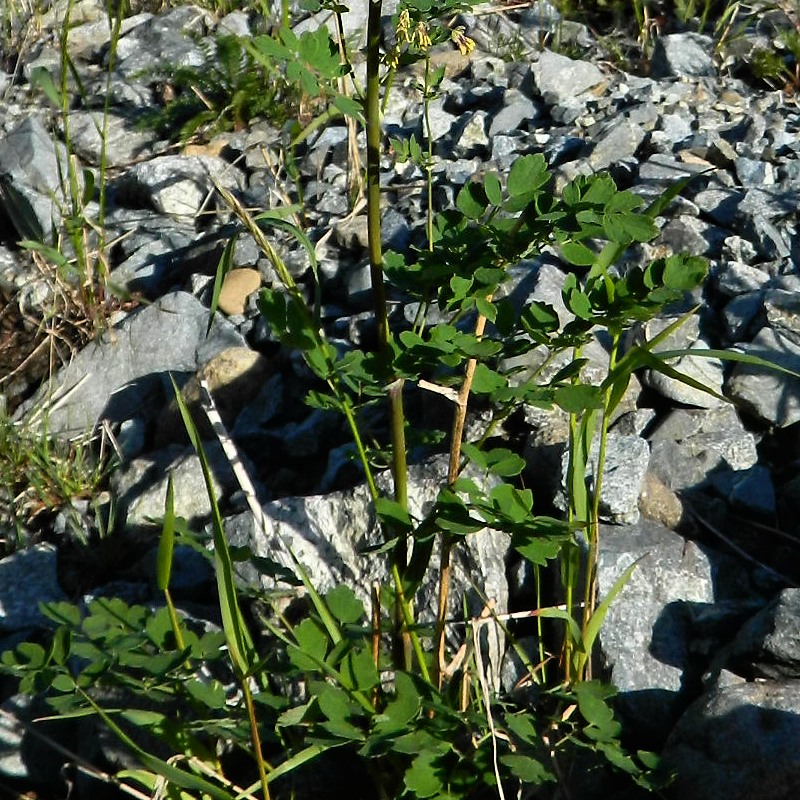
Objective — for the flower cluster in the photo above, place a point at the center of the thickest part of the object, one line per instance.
(418, 35)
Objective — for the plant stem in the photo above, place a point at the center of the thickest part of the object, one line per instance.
(593, 529)
(256, 738)
(374, 172)
(429, 142)
(456, 439)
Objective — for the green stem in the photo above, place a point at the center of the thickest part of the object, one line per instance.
(590, 588)
(404, 637)
(429, 143)
(374, 172)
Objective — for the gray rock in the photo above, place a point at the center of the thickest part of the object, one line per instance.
(141, 485)
(721, 205)
(782, 307)
(116, 376)
(750, 490)
(124, 141)
(738, 742)
(767, 645)
(691, 444)
(772, 396)
(27, 578)
(734, 278)
(683, 55)
(177, 185)
(754, 173)
(560, 80)
(708, 372)
(618, 142)
(471, 138)
(161, 42)
(673, 130)
(771, 204)
(688, 234)
(30, 167)
(328, 534)
(626, 463)
(645, 638)
(740, 314)
(26, 757)
(517, 111)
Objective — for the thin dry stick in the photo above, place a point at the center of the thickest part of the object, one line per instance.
(445, 567)
(239, 471)
(485, 619)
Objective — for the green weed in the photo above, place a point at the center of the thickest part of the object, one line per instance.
(373, 683)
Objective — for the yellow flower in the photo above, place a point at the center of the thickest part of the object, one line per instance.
(422, 36)
(392, 58)
(404, 27)
(461, 41)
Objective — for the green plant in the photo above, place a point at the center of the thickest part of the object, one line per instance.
(229, 90)
(375, 683)
(77, 248)
(40, 474)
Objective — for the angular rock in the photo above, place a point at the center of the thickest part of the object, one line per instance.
(30, 167)
(708, 372)
(771, 396)
(328, 534)
(617, 143)
(767, 646)
(738, 742)
(117, 376)
(27, 578)
(141, 486)
(176, 185)
(646, 634)
(125, 142)
(682, 55)
(560, 80)
(626, 463)
(689, 445)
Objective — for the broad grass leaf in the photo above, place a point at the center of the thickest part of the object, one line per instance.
(237, 636)
(595, 623)
(166, 544)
